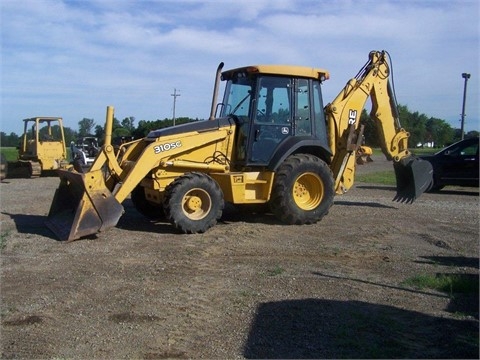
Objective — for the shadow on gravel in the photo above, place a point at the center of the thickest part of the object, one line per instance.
(463, 287)
(134, 221)
(464, 192)
(250, 214)
(379, 284)
(366, 204)
(457, 261)
(462, 292)
(316, 328)
(456, 192)
(31, 224)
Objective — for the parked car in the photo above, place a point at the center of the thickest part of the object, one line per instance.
(456, 164)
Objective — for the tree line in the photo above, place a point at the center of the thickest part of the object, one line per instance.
(88, 127)
(422, 129)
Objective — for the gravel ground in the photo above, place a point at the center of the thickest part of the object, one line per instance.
(250, 287)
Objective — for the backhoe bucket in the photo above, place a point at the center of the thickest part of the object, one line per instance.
(414, 177)
(82, 206)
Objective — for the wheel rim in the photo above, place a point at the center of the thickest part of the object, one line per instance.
(308, 191)
(196, 204)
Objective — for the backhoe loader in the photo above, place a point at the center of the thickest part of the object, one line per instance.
(274, 142)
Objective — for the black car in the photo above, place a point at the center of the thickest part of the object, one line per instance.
(456, 164)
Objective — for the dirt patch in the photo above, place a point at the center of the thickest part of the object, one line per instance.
(250, 287)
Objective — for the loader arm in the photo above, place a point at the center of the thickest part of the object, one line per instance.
(142, 156)
(87, 203)
(343, 118)
(149, 159)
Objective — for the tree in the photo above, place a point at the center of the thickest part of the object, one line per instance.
(120, 131)
(99, 132)
(421, 128)
(141, 130)
(370, 131)
(472, 133)
(70, 135)
(439, 132)
(11, 140)
(415, 124)
(85, 127)
(127, 124)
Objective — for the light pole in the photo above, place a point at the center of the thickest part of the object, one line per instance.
(175, 94)
(466, 77)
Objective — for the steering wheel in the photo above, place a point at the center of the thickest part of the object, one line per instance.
(261, 116)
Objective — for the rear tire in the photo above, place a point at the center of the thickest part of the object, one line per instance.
(193, 203)
(145, 207)
(303, 190)
(435, 188)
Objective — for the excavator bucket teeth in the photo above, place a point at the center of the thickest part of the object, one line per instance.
(82, 206)
(414, 177)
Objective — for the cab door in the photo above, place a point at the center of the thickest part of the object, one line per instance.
(272, 119)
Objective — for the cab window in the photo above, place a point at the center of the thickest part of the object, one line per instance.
(303, 118)
(273, 101)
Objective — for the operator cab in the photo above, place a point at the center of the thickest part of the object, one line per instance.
(272, 110)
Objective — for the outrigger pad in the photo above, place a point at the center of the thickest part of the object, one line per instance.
(414, 177)
(82, 206)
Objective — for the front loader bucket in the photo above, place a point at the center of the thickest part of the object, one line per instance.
(82, 206)
(414, 177)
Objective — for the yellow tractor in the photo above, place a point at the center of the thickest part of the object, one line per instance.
(274, 142)
(42, 147)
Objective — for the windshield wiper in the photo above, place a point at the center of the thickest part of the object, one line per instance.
(241, 102)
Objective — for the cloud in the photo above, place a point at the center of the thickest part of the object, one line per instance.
(73, 58)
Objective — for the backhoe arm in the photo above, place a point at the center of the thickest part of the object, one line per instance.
(345, 131)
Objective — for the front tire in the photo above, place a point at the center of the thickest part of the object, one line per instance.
(193, 203)
(303, 190)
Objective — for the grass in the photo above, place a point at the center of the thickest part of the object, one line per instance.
(388, 177)
(425, 151)
(379, 177)
(447, 283)
(10, 153)
(415, 151)
(3, 240)
(277, 270)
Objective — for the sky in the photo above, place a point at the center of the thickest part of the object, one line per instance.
(73, 58)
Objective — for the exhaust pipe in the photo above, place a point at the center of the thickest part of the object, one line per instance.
(215, 91)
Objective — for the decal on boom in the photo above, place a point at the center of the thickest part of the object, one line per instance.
(166, 147)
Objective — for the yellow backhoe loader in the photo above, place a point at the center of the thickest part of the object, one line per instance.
(274, 142)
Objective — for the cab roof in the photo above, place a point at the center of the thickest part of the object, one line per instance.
(43, 118)
(282, 70)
